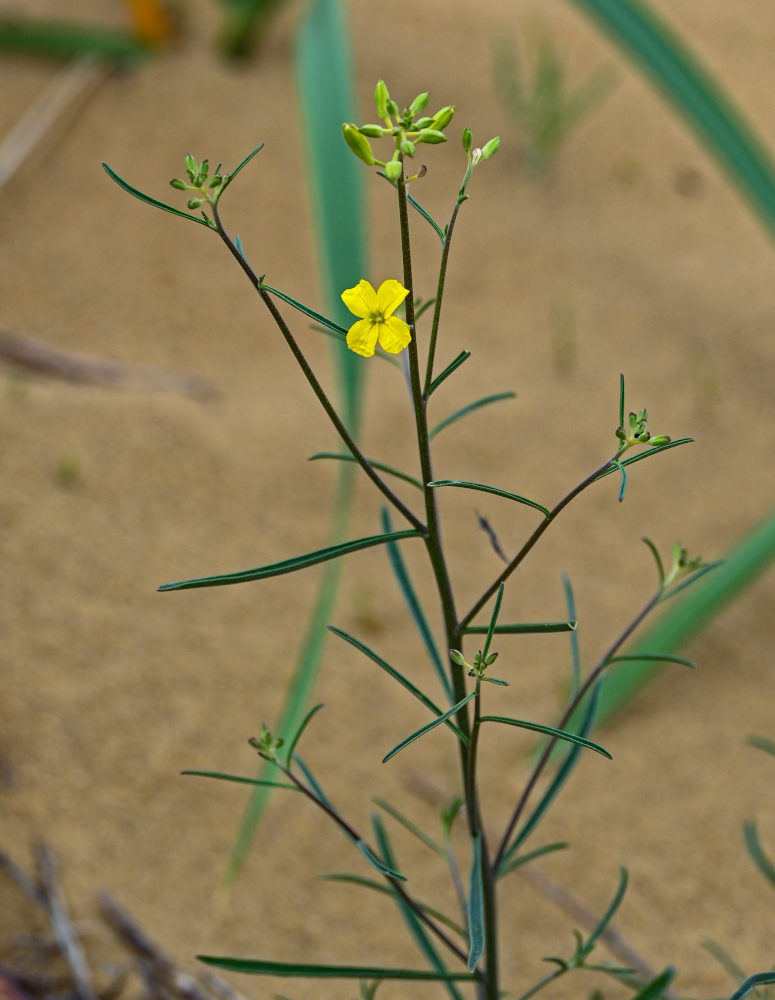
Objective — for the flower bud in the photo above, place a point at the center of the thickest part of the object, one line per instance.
(392, 108)
(193, 203)
(372, 131)
(393, 170)
(659, 439)
(457, 657)
(430, 135)
(381, 98)
(491, 148)
(192, 167)
(418, 104)
(407, 147)
(443, 117)
(423, 122)
(178, 184)
(216, 181)
(358, 143)
(467, 139)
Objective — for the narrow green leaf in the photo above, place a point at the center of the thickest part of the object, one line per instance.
(657, 559)
(418, 208)
(427, 728)
(560, 734)
(755, 849)
(242, 781)
(290, 565)
(403, 681)
(312, 781)
(607, 917)
(476, 929)
(656, 988)
(570, 604)
(623, 484)
(154, 202)
(410, 826)
(65, 39)
(664, 657)
(386, 890)
(761, 743)
(318, 317)
(494, 620)
(759, 979)
(476, 405)
(491, 489)
(261, 967)
(656, 450)
(523, 628)
(724, 959)
(375, 862)
(621, 399)
(451, 367)
(415, 608)
(347, 457)
(691, 580)
(244, 163)
(302, 726)
(539, 852)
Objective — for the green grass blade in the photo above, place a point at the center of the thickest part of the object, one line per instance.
(347, 457)
(415, 608)
(761, 743)
(427, 728)
(153, 202)
(755, 849)
(397, 676)
(220, 776)
(263, 967)
(653, 45)
(464, 411)
(63, 40)
(476, 931)
(684, 619)
(560, 734)
(522, 628)
(289, 565)
(491, 489)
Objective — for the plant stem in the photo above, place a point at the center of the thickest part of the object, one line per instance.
(317, 388)
(439, 297)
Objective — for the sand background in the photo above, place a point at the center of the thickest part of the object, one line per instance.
(613, 263)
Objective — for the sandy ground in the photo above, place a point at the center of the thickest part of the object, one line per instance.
(613, 263)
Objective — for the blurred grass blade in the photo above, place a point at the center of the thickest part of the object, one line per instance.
(654, 46)
(403, 681)
(347, 457)
(375, 862)
(560, 734)
(427, 728)
(491, 489)
(476, 405)
(755, 849)
(522, 628)
(410, 826)
(154, 202)
(64, 39)
(240, 780)
(761, 743)
(263, 967)
(289, 565)
(415, 608)
(700, 604)
(476, 930)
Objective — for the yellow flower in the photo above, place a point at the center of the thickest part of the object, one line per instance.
(377, 322)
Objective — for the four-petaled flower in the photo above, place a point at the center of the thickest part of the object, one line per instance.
(377, 322)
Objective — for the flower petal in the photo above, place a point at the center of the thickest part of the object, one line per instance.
(390, 296)
(361, 300)
(394, 335)
(362, 337)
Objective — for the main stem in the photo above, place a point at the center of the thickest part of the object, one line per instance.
(488, 985)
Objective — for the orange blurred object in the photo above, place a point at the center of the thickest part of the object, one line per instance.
(152, 22)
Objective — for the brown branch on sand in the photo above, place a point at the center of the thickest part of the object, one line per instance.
(39, 356)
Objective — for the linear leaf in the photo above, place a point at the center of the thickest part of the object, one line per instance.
(451, 367)
(154, 202)
(403, 681)
(539, 852)
(415, 608)
(657, 560)
(575, 655)
(302, 726)
(759, 979)
(491, 489)
(244, 163)
(607, 917)
(755, 849)
(262, 967)
(656, 988)
(427, 728)
(347, 457)
(665, 657)
(560, 734)
(410, 826)
(375, 862)
(493, 620)
(476, 929)
(523, 628)
(242, 781)
(290, 565)
(418, 208)
(644, 454)
(476, 405)
(318, 317)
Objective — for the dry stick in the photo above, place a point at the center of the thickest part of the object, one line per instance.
(39, 356)
(54, 902)
(163, 969)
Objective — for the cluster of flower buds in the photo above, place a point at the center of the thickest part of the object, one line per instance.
(265, 744)
(637, 432)
(203, 190)
(478, 667)
(683, 564)
(409, 128)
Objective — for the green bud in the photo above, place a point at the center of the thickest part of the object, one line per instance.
(490, 659)
(443, 117)
(192, 167)
(393, 170)
(491, 148)
(430, 135)
(392, 108)
(423, 122)
(215, 181)
(467, 139)
(659, 439)
(193, 203)
(457, 657)
(418, 104)
(372, 131)
(381, 98)
(358, 143)
(407, 147)
(178, 184)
